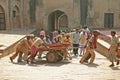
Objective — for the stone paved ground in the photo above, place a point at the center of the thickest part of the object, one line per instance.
(64, 70)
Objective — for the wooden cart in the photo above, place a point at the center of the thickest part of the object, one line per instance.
(55, 52)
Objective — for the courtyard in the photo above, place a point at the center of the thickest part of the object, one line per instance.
(64, 70)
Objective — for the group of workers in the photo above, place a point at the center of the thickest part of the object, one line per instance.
(83, 39)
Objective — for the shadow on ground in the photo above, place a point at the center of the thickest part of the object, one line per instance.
(43, 62)
(92, 65)
(115, 68)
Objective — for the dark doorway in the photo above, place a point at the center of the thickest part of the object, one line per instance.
(108, 20)
(2, 19)
(57, 20)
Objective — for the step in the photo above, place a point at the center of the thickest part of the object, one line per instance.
(10, 39)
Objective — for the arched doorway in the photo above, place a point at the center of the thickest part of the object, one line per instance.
(2, 19)
(63, 21)
(16, 17)
(57, 20)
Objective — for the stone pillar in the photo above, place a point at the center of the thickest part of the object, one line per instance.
(10, 13)
(21, 13)
(84, 11)
(76, 13)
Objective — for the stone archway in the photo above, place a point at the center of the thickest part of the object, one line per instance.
(63, 21)
(16, 17)
(2, 19)
(57, 20)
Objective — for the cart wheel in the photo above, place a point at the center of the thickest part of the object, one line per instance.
(51, 56)
(59, 55)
